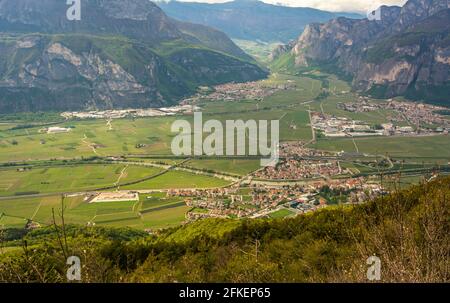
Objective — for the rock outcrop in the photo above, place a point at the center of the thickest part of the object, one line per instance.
(405, 53)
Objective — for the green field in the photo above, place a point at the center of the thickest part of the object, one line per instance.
(154, 201)
(153, 133)
(179, 179)
(69, 178)
(295, 126)
(152, 211)
(428, 147)
(258, 50)
(155, 160)
(306, 90)
(282, 213)
(229, 166)
(6, 126)
(30, 144)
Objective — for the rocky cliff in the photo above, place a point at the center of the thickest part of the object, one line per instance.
(406, 52)
(122, 53)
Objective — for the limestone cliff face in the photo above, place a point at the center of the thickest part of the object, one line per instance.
(122, 54)
(41, 74)
(404, 53)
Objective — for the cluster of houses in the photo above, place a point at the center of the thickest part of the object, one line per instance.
(298, 150)
(332, 126)
(55, 130)
(239, 91)
(418, 117)
(363, 105)
(421, 116)
(131, 113)
(295, 169)
(261, 200)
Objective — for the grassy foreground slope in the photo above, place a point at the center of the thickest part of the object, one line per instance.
(407, 230)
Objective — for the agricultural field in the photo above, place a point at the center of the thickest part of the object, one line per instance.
(306, 90)
(38, 180)
(295, 125)
(258, 50)
(166, 217)
(329, 106)
(178, 179)
(92, 138)
(228, 166)
(88, 138)
(151, 211)
(294, 122)
(430, 147)
(5, 126)
(282, 213)
(227, 107)
(155, 160)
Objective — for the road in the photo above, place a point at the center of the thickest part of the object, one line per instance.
(313, 132)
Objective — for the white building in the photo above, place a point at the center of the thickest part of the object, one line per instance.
(56, 130)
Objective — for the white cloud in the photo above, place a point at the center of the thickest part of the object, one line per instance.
(328, 5)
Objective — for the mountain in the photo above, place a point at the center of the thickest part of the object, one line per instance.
(122, 53)
(405, 53)
(250, 19)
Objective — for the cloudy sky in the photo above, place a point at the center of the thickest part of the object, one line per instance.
(329, 5)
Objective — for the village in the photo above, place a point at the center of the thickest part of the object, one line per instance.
(262, 201)
(305, 180)
(420, 118)
(332, 126)
(298, 149)
(131, 113)
(295, 169)
(238, 91)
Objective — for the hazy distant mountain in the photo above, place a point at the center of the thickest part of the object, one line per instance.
(250, 19)
(406, 53)
(123, 53)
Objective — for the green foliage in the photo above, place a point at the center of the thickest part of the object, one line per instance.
(284, 63)
(32, 117)
(435, 94)
(380, 52)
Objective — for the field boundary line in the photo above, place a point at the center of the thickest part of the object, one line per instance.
(36, 211)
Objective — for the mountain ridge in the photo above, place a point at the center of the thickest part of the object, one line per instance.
(121, 54)
(250, 20)
(385, 58)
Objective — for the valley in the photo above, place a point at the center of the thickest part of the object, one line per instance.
(235, 142)
(114, 152)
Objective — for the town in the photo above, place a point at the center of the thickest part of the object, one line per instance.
(332, 126)
(257, 201)
(238, 91)
(410, 118)
(130, 113)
